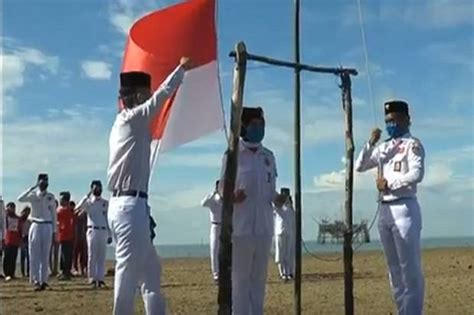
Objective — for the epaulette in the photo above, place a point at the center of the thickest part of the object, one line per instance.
(267, 151)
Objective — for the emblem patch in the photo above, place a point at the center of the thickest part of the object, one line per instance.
(416, 149)
(397, 166)
(267, 162)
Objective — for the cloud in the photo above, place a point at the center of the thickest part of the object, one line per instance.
(16, 62)
(451, 53)
(424, 14)
(68, 142)
(123, 13)
(96, 70)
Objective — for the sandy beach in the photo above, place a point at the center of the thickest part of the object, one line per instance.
(189, 288)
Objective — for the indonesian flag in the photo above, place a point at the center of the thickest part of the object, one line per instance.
(155, 44)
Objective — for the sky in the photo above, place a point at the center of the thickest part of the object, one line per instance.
(60, 62)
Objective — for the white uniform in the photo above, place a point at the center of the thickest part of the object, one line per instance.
(43, 225)
(213, 201)
(284, 239)
(137, 262)
(252, 228)
(97, 234)
(399, 222)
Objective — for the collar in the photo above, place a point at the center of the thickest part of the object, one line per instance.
(404, 136)
(95, 198)
(41, 194)
(244, 145)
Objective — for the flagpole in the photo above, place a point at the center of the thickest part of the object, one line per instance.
(297, 156)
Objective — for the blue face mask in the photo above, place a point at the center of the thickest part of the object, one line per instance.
(394, 130)
(255, 133)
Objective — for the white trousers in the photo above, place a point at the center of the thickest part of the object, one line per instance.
(40, 238)
(214, 242)
(96, 247)
(249, 272)
(399, 227)
(137, 263)
(283, 254)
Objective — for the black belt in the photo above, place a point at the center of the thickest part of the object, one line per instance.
(132, 193)
(96, 227)
(41, 222)
(397, 200)
(216, 223)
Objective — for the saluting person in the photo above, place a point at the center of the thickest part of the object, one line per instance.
(42, 230)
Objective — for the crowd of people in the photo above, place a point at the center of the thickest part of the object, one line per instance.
(55, 237)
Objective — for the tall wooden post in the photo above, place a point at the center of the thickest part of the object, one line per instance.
(348, 269)
(297, 156)
(225, 251)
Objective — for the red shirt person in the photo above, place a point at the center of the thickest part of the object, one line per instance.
(65, 234)
(12, 241)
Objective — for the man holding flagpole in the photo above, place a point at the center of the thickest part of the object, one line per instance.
(137, 262)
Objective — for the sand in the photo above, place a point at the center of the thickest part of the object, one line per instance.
(189, 288)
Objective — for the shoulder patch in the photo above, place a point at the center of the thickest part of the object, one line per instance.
(416, 148)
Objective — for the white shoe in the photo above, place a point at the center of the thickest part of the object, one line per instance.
(8, 278)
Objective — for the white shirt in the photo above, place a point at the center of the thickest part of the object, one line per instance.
(403, 164)
(256, 175)
(213, 201)
(284, 220)
(43, 206)
(130, 139)
(96, 209)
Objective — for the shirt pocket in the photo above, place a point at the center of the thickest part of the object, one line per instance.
(245, 179)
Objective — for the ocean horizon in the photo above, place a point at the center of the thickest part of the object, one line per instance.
(202, 250)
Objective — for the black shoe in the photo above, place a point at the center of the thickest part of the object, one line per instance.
(38, 287)
(64, 277)
(101, 284)
(45, 286)
(94, 284)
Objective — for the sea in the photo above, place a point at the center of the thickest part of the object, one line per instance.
(202, 250)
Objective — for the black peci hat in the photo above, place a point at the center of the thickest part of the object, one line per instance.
(396, 106)
(135, 79)
(43, 176)
(96, 182)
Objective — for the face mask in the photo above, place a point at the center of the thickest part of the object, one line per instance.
(394, 130)
(254, 133)
(43, 186)
(97, 192)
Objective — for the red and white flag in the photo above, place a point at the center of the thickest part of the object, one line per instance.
(155, 44)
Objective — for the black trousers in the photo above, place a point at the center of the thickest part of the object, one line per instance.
(66, 257)
(9, 260)
(25, 258)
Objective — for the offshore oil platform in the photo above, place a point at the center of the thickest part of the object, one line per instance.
(333, 232)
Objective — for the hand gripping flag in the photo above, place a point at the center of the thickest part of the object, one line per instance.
(155, 44)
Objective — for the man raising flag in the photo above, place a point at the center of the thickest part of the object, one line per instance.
(148, 124)
(128, 174)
